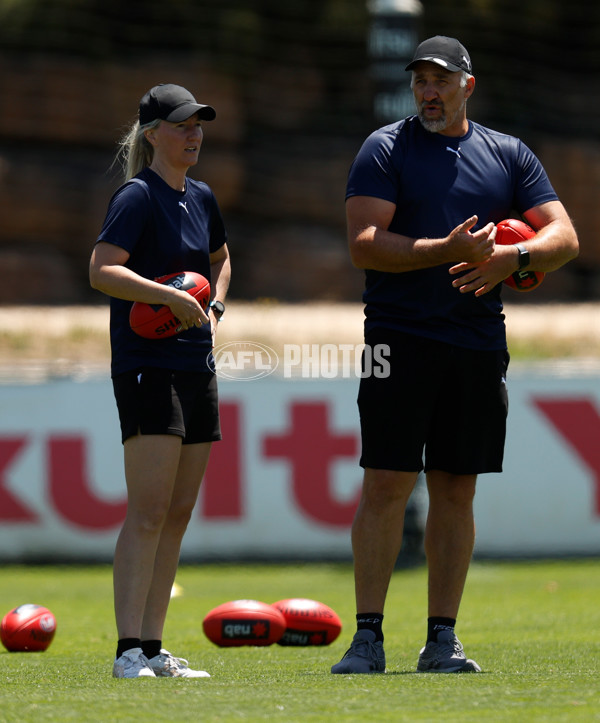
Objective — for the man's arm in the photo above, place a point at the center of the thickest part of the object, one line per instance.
(373, 246)
(554, 244)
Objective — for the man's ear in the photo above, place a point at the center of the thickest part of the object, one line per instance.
(470, 87)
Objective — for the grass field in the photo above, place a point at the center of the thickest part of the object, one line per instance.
(533, 628)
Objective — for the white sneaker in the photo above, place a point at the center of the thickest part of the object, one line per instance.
(166, 665)
(132, 664)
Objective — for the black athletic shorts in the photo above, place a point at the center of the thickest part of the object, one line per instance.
(438, 399)
(164, 401)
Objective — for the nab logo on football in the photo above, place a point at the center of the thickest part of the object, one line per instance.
(243, 360)
(244, 622)
(301, 637)
(245, 630)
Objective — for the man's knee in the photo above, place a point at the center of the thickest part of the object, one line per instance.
(382, 488)
(451, 489)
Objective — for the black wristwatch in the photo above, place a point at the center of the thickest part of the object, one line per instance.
(523, 256)
(218, 307)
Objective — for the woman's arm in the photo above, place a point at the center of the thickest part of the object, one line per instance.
(109, 274)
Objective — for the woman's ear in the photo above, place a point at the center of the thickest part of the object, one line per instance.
(150, 136)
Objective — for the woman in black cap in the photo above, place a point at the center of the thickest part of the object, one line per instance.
(160, 222)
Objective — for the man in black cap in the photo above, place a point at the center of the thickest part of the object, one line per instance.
(423, 197)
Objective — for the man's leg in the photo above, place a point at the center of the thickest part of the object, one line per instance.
(377, 534)
(376, 541)
(449, 540)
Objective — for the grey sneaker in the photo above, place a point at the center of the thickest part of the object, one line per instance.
(132, 664)
(166, 665)
(445, 656)
(363, 656)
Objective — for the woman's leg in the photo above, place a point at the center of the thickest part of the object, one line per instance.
(192, 466)
(151, 464)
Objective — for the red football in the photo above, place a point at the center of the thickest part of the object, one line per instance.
(511, 231)
(244, 622)
(28, 628)
(308, 622)
(157, 321)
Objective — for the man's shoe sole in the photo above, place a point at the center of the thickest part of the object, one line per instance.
(469, 667)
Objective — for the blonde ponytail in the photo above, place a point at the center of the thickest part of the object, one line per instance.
(135, 153)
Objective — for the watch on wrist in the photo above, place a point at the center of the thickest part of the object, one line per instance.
(523, 256)
(218, 308)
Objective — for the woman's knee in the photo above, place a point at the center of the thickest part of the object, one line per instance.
(150, 517)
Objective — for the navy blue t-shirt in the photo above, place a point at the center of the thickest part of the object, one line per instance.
(164, 231)
(437, 182)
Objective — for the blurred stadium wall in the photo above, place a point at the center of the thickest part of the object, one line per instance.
(293, 90)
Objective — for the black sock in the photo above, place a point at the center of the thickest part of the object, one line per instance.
(151, 648)
(371, 621)
(126, 644)
(436, 625)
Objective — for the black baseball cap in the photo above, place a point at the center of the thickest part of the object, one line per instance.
(444, 51)
(172, 103)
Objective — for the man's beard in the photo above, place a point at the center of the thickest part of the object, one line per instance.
(433, 126)
(437, 126)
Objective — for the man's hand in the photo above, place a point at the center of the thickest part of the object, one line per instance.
(471, 247)
(482, 277)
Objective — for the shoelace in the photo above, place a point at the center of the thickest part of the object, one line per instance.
(454, 646)
(356, 649)
(134, 662)
(173, 663)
